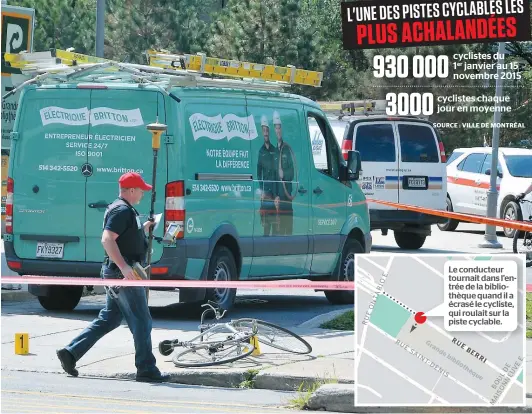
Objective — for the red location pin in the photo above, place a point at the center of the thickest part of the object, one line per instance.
(420, 317)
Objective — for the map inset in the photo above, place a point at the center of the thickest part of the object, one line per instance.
(439, 330)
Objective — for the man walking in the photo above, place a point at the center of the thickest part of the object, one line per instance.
(286, 180)
(267, 167)
(124, 241)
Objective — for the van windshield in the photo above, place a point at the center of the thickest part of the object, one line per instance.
(418, 143)
(519, 165)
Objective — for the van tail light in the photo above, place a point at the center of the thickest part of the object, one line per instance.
(442, 152)
(347, 145)
(174, 212)
(9, 205)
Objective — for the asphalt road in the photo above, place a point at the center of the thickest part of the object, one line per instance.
(61, 394)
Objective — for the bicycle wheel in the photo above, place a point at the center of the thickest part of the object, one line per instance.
(275, 336)
(213, 354)
(524, 246)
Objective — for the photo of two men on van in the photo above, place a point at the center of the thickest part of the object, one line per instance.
(277, 176)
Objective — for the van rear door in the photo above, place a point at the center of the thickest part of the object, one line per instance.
(49, 189)
(422, 179)
(119, 142)
(377, 145)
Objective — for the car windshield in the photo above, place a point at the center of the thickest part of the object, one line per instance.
(519, 165)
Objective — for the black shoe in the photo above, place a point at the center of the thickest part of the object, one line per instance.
(152, 377)
(67, 362)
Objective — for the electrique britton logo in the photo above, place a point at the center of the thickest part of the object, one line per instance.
(94, 117)
(218, 127)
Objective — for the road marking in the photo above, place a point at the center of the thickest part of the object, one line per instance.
(449, 376)
(365, 387)
(149, 403)
(404, 376)
(433, 388)
(417, 259)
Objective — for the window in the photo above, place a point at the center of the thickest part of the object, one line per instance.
(454, 156)
(487, 165)
(519, 165)
(375, 142)
(472, 163)
(418, 144)
(325, 150)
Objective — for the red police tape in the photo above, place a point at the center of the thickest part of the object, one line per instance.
(53, 280)
(85, 281)
(512, 224)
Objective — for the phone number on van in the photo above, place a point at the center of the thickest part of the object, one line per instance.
(72, 168)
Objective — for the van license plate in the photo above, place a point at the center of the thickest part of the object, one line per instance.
(417, 183)
(50, 250)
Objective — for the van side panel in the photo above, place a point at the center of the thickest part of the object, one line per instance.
(218, 172)
(281, 232)
(119, 142)
(49, 186)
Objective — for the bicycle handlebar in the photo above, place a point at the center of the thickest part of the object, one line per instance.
(216, 310)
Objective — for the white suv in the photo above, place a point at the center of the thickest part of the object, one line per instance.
(468, 182)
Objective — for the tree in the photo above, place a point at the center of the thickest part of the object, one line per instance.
(63, 23)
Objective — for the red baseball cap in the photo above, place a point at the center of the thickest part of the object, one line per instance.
(133, 180)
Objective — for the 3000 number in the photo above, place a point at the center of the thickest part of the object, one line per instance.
(410, 104)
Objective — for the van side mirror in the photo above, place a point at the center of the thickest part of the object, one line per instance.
(354, 165)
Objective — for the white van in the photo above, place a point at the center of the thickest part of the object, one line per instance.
(403, 161)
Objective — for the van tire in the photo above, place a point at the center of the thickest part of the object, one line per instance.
(409, 241)
(222, 266)
(449, 225)
(61, 298)
(345, 272)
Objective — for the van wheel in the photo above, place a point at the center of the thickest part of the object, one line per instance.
(512, 211)
(61, 298)
(409, 241)
(449, 225)
(345, 273)
(222, 267)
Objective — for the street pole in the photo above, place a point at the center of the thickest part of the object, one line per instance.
(490, 236)
(100, 26)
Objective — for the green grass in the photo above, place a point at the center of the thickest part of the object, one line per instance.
(344, 322)
(305, 391)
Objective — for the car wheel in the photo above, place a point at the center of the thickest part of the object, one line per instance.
(450, 224)
(345, 273)
(512, 211)
(409, 241)
(222, 267)
(61, 298)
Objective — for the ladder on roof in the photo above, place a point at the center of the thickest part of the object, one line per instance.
(233, 68)
(360, 107)
(176, 70)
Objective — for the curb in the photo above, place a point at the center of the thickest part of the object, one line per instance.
(16, 296)
(232, 379)
(341, 398)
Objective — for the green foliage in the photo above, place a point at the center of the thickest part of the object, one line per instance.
(304, 33)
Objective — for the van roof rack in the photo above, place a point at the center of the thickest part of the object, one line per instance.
(364, 107)
(163, 70)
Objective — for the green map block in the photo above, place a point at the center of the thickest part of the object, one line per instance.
(389, 315)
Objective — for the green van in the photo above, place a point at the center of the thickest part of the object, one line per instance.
(255, 197)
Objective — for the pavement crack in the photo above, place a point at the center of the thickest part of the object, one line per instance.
(48, 334)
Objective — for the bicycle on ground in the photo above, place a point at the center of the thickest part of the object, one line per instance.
(222, 342)
(523, 239)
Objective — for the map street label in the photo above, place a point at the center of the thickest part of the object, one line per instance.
(479, 297)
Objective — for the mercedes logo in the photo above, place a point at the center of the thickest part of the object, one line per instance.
(86, 170)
